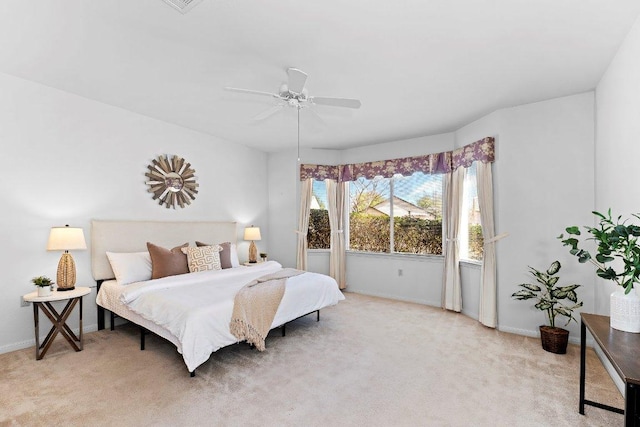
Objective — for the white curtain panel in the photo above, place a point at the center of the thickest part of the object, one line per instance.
(488, 313)
(337, 198)
(451, 287)
(306, 190)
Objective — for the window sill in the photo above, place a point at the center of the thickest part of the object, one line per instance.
(397, 255)
(471, 262)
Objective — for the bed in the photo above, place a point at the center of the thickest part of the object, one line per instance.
(192, 310)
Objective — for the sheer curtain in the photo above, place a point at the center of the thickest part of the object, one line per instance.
(451, 287)
(338, 201)
(306, 190)
(488, 314)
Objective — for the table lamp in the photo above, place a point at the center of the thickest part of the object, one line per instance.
(252, 233)
(65, 239)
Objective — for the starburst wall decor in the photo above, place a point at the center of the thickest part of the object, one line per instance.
(172, 181)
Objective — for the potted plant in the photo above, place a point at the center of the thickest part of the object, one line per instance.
(550, 299)
(44, 285)
(617, 258)
(263, 255)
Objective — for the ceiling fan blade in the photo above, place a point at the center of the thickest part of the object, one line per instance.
(336, 102)
(267, 113)
(297, 79)
(315, 117)
(252, 92)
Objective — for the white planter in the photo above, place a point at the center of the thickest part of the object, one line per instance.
(625, 311)
(44, 291)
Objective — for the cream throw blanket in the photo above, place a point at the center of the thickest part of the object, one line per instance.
(256, 304)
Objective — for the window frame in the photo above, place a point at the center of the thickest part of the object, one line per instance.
(392, 252)
(466, 258)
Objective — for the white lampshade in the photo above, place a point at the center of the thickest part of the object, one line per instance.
(66, 239)
(252, 233)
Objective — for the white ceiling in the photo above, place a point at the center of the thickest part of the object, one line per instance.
(419, 67)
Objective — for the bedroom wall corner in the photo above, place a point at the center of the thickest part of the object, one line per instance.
(71, 159)
(543, 182)
(617, 135)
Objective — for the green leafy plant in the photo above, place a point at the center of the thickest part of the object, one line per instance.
(550, 297)
(616, 240)
(42, 281)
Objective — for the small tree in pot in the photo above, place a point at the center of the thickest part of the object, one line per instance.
(615, 240)
(617, 258)
(551, 299)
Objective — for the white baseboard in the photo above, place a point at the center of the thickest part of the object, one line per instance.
(32, 342)
(395, 297)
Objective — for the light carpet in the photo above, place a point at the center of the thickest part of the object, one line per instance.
(368, 362)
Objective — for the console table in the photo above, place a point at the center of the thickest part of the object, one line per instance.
(622, 350)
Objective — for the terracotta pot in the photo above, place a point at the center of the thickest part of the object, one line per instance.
(554, 340)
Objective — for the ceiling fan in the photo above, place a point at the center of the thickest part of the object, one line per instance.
(294, 94)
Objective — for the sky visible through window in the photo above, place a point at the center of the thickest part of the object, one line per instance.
(410, 188)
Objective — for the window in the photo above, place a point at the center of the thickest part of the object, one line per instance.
(319, 234)
(471, 240)
(402, 214)
(369, 226)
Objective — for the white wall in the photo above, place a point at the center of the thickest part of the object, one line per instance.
(543, 182)
(618, 141)
(68, 160)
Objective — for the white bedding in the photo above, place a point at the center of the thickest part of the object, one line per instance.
(196, 308)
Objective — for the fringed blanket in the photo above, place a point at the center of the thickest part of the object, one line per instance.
(256, 304)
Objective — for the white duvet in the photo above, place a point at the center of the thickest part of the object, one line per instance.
(196, 308)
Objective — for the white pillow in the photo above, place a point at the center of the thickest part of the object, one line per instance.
(234, 256)
(130, 267)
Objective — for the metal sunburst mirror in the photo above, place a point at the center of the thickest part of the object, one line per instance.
(172, 181)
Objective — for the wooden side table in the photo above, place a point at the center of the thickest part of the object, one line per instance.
(621, 348)
(58, 320)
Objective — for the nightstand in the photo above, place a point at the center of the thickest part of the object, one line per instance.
(251, 264)
(58, 320)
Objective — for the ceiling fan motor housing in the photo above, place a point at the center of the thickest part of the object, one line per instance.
(285, 93)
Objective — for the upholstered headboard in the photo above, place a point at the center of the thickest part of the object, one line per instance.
(132, 236)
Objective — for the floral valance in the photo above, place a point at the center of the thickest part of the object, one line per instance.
(439, 163)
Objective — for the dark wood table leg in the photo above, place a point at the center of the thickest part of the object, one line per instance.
(80, 325)
(59, 325)
(59, 322)
(629, 405)
(583, 352)
(37, 328)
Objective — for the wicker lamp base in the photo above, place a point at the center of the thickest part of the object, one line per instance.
(253, 253)
(66, 277)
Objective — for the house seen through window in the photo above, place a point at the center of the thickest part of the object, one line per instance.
(402, 214)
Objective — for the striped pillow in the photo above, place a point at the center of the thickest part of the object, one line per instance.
(203, 258)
